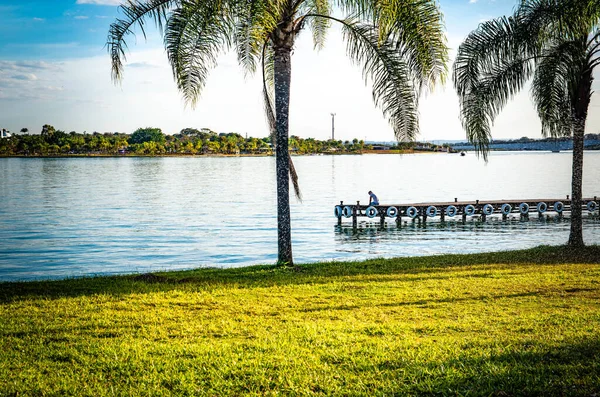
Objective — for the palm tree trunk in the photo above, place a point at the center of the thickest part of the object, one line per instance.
(576, 235)
(282, 74)
(581, 108)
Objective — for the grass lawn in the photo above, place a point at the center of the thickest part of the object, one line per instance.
(512, 323)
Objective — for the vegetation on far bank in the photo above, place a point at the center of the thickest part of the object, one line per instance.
(512, 323)
(189, 141)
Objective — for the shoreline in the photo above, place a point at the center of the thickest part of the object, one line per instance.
(540, 254)
(366, 152)
(221, 155)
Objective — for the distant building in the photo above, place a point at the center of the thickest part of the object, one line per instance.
(4, 133)
(423, 146)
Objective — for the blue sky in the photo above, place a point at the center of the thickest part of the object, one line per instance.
(53, 29)
(54, 69)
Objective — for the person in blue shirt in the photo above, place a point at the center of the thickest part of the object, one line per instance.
(373, 199)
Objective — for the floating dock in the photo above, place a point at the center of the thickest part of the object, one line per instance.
(461, 209)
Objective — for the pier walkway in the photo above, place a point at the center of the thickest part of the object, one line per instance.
(463, 209)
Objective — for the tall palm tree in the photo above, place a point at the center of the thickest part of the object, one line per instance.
(399, 43)
(554, 42)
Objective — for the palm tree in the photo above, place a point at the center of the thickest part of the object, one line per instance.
(400, 45)
(555, 42)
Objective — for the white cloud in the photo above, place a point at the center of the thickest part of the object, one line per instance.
(25, 77)
(38, 19)
(140, 65)
(101, 2)
(20, 84)
(27, 66)
(472, 1)
(81, 17)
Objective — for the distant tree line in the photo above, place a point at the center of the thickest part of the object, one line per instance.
(152, 141)
(590, 137)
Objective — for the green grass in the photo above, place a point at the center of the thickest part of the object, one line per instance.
(513, 323)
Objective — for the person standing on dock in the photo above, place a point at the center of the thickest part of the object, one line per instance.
(373, 199)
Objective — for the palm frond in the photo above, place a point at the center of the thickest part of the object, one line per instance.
(593, 45)
(135, 14)
(319, 11)
(268, 88)
(195, 34)
(491, 66)
(551, 19)
(394, 90)
(555, 85)
(358, 9)
(294, 178)
(253, 23)
(487, 98)
(417, 29)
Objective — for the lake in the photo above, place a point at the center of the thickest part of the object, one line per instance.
(72, 217)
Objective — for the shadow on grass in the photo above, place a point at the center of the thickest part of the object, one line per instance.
(265, 276)
(534, 369)
(433, 302)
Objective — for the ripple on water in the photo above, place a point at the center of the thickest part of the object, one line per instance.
(74, 217)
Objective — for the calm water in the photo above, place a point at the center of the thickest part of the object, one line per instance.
(73, 217)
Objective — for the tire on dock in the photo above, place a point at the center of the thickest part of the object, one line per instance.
(371, 212)
(412, 212)
(558, 207)
(392, 212)
(542, 207)
(451, 211)
(487, 209)
(506, 209)
(347, 211)
(524, 208)
(431, 211)
(469, 210)
(338, 211)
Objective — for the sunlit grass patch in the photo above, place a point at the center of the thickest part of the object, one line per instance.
(515, 323)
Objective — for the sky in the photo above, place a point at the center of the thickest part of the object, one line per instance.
(55, 69)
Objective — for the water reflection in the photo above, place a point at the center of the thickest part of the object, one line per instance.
(434, 237)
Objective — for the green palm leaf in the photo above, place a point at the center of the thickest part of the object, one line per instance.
(491, 66)
(253, 23)
(394, 91)
(416, 26)
(553, 85)
(319, 23)
(135, 12)
(195, 35)
(364, 10)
